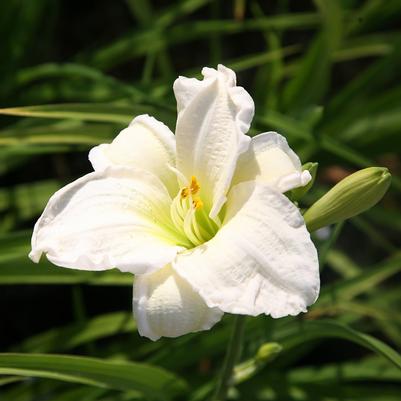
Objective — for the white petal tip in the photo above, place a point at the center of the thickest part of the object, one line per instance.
(141, 118)
(165, 305)
(293, 180)
(154, 125)
(305, 178)
(222, 72)
(35, 256)
(97, 157)
(240, 97)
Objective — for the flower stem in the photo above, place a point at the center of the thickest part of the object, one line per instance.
(232, 355)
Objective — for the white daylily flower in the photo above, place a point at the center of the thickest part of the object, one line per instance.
(199, 217)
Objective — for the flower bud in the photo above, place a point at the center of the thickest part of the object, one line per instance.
(268, 352)
(247, 369)
(351, 196)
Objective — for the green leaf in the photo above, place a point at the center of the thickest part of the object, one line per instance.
(373, 233)
(14, 245)
(26, 200)
(22, 271)
(140, 42)
(316, 330)
(369, 278)
(342, 264)
(15, 155)
(312, 77)
(375, 127)
(255, 60)
(80, 111)
(390, 218)
(365, 46)
(372, 15)
(83, 393)
(73, 335)
(70, 71)
(66, 133)
(347, 102)
(17, 268)
(152, 382)
(11, 379)
(349, 154)
(373, 368)
(18, 26)
(287, 125)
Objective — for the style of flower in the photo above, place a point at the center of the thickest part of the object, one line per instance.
(200, 217)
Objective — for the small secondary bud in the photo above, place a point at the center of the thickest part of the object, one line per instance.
(268, 352)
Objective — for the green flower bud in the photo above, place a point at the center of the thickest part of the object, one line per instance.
(268, 352)
(351, 196)
(298, 193)
(247, 369)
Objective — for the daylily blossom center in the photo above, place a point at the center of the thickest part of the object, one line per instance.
(190, 217)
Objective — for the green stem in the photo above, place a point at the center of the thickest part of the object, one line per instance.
(232, 355)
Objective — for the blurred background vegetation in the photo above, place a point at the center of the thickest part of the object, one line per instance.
(326, 74)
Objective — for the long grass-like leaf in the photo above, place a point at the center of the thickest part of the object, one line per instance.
(153, 382)
(315, 330)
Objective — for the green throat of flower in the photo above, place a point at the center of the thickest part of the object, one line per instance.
(190, 216)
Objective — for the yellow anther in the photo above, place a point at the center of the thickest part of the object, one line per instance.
(189, 216)
(198, 204)
(195, 187)
(185, 192)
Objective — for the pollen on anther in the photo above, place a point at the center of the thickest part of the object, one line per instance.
(195, 187)
(185, 192)
(198, 204)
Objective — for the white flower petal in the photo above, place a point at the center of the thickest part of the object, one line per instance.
(270, 160)
(113, 218)
(165, 305)
(261, 261)
(213, 117)
(147, 144)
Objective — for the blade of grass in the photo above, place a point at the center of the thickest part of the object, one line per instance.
(313, 75)
(316, 330)
(150, 381)
(139, 43)
(22, 271)
(76, 334)
(79, 111)
(70, 132)
(369, 278)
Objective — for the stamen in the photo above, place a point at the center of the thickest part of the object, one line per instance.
(197, 203)
(189, 215)
(195, 187)
(185, 192)
(188, 229)
(210, 226)
(199, 231)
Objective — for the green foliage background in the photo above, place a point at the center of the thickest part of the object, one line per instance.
(326, 74)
